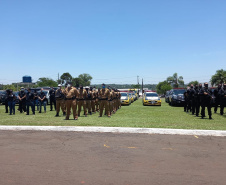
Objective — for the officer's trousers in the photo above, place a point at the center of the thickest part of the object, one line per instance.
(88, 105)
(60, 104)
(11, 107)
(203, 105)
(222, 105)
(110, 107)
(42, 103)
(6, 106)
(52, 102)
(80, 104)
(71, 104)
(193, 105)
(32, 105)
(97, 104)
(104, 104)
(93, 105)
(216, 104)
(197, 107)
(22, 106)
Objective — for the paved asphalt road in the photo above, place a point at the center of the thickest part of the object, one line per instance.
(71, 158)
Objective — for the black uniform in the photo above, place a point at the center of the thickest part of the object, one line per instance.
(30, 102)
(192, 101)
(52, 99)
(189, 100)
(222, 93)
(217, 98)
(22, 102)
(197, 100)
(186, 99)
(6, 101)
(205, 101)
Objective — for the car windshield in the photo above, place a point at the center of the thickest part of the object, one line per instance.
(179, 91)
(151, 95)
(124, 94)
(42, 91)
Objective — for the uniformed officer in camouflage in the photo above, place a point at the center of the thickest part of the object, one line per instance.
(82, 95)
(60, 102)
(88, 100)
(110, 101)
(93, 101)
(71, 95)
(104, 96)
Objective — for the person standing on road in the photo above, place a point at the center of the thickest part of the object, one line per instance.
(30, 101)
(217, 95)
(59, 95)
(104, 96)
(71, 95)
(223, 99)
(205, 95)
(22, 100)
(11, 102)
(42, 100)
(52, 98)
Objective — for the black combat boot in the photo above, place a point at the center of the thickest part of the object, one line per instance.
(57, 115)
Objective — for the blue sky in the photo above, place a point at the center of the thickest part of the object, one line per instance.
(112, 40)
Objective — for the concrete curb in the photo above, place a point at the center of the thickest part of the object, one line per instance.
(117, 130)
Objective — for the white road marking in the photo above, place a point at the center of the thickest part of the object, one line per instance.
(118, 130)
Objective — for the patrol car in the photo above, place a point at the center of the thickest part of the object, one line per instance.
(125, 99)
(151, 98)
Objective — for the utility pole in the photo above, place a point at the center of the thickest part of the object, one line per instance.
(58, 78)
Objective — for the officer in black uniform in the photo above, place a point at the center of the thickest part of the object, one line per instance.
(186, 99)
(42, 100)
(22, 100)
(192, 98)
(217, 97)
(6, 100)
(11, 102)
(36, 100)
(52, 98)
(30, 101)
(223, 98)
(205, 96)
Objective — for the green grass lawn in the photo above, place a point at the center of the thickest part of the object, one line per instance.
(135, 115)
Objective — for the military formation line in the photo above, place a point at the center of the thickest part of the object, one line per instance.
(70, 100)
(198, 96)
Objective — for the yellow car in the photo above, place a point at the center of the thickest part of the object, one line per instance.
(151, 98)
(131, 97)
(125, 99)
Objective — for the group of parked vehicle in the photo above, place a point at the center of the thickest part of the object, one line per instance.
(175, 97)
(128, 97)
